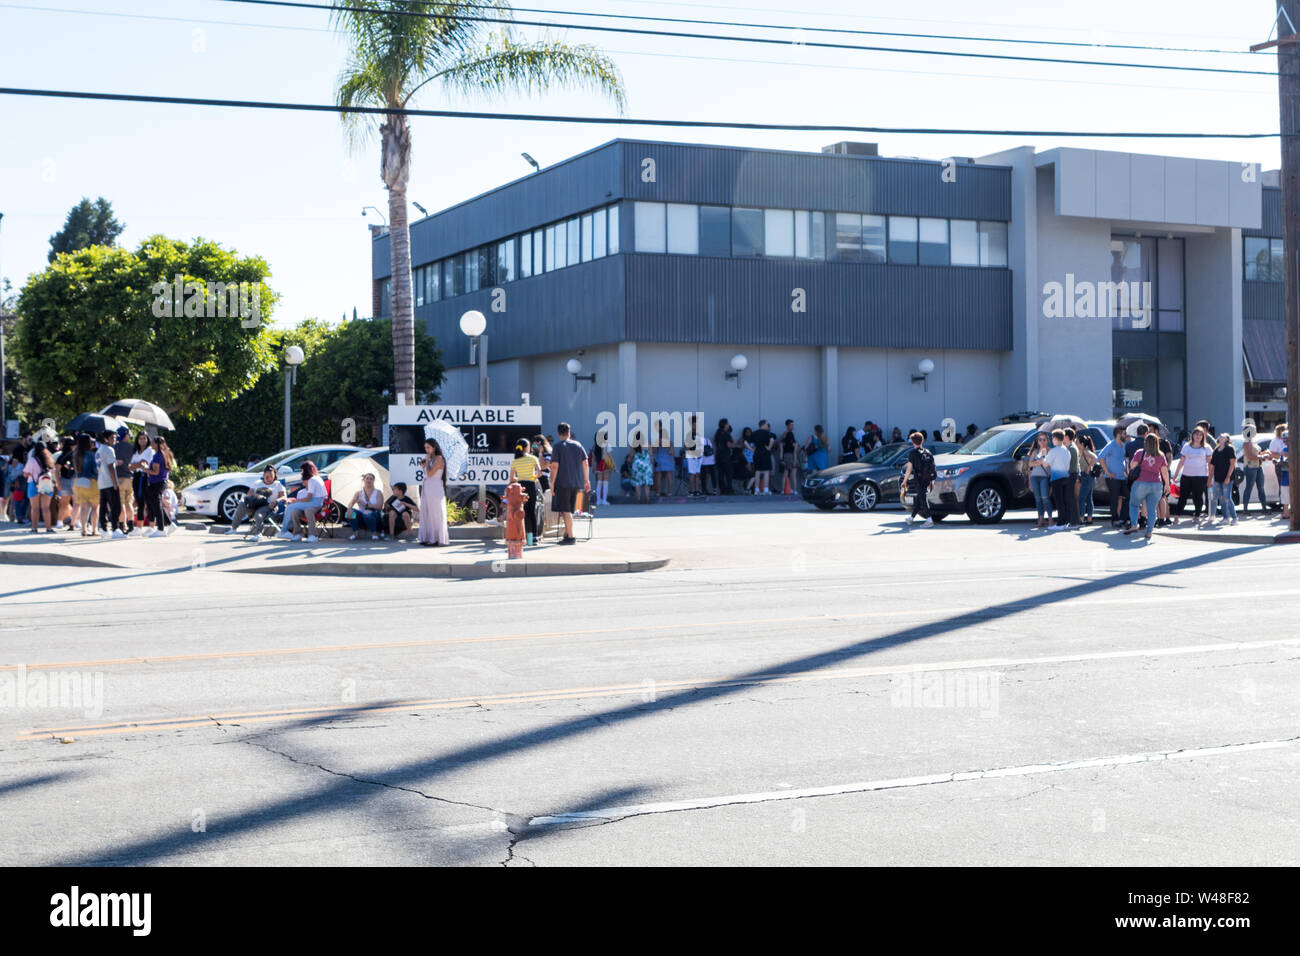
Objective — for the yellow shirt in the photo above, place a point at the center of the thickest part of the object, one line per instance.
(525, 468)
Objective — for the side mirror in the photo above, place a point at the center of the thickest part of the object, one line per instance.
(285, 470)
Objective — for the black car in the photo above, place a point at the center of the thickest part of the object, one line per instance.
(862, 485)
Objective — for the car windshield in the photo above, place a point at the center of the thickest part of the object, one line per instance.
(881, 455)
(995, 441)
(271, 462)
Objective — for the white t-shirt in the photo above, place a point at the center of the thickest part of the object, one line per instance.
(315, 488)
(145, 457)
(1196, 461)
(374, 501)
(169, 503)
(274, 491)
(1058, 459)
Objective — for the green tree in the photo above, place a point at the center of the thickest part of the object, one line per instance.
(103, 323)
(347, 374)
(88, 224)
(396, 48)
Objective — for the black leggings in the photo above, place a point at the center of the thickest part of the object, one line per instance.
(139, 483)
(153, 501)
(110, 508)
(530, 508)
(1066, 501)
(920, 503)
(1193, 487)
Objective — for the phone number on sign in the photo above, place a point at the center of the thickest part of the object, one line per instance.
(476, 476)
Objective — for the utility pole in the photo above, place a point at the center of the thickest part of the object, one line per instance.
(1288, 89)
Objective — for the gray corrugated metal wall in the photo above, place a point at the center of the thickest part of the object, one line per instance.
(1263, 300)
(1270, 223)
(700, 299)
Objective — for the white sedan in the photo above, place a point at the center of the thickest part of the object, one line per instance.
(217, 496)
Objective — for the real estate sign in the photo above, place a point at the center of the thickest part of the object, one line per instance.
(490, 431)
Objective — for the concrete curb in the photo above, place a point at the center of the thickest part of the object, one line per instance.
(48, 559)
(489, 569)
(1231, 538)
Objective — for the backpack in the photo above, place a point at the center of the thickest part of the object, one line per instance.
(926, 473)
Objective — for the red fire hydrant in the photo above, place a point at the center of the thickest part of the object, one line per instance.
(515, 499)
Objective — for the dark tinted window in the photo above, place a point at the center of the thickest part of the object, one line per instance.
(715, 231)
(747, 230)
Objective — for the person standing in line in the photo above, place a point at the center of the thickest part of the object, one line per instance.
(1193, 474)
(1088, 471)
(65, 498)
(1150, 484)
(1133, 446)
(693, 453)
(665, 461)
(160, 468)
(722, 451)
(1253, 464)
(643, 473)
(1072, 446)
(110, 499)
(602, 463)
(1223, 462)
(918, 478)
(569, 475)
(819, 450)
(762, 441)
(849, 445)
(896, 436)
(42, 478)
(1278, 452)
(1040, 477)
(433, 497)
(789, 449)
(1112, 464)
(1063, 494)
(746, 449)
(85, 492)
(708, 467)
(523, 469)
(139, 466)
(123, 449)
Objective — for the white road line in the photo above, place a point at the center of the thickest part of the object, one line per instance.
(608, 814)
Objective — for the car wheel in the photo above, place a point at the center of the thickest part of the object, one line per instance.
(864, 496)
(333, 513)
(823, 506)
(986, 503)
(228, 503)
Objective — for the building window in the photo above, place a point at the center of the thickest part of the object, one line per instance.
(809, 234)
(614, 242)
(539, 251)
(433, 282)
(550, 248)
(746, 232)
(1264, 259)
(778, 233)
(993, 243)
(505, 261)
(574, 236)
(683, 229)
(598, 234)
(417, 286)
(1279, 261)
(586, 238)
(964, 242)
(385, 296)
(650, 227)
(848, 236)
(933, 250)
(526, 255)
(902, 239)
(715, 231)
(455, 275)
(873, 238)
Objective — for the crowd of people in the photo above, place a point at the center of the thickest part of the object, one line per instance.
(107, 485)
(758, 461)
(1142, 473)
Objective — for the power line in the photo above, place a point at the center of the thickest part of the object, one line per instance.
(602, 120)
(816, 44)
(850, 30)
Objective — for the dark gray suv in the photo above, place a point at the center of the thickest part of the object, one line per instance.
(989, 474)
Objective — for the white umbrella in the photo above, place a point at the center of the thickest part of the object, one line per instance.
(140, 411)
(1063, 421)
(1139, 418)
(345, 478)
(453, 446)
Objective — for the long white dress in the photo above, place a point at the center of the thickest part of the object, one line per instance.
(433, 511)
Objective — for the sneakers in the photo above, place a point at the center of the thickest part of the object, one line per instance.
(285, 535)
(155, 534)
(929, 523)
(910, 518)
(296, 537)
(311, 539)
(568, 541)
(232, 530)
(118, 535)
(352, 537)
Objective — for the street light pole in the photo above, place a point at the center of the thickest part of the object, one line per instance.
(473, 324)
(293, 357)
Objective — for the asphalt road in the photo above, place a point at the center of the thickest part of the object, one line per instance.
(796, 688)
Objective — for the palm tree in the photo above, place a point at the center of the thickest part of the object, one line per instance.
(397, 48)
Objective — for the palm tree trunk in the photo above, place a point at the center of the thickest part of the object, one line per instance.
(395, 169)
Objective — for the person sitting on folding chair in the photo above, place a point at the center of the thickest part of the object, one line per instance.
(309, 499)
(265, 494)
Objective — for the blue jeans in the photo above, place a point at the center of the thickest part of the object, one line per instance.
(308, 508)
(1254, 479)
(1041, 485)
(1149, 492)
(368, 518)
(1086, 483)
(1222, 496)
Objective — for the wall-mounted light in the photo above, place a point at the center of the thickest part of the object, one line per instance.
(531, 162)
(738, 364)
(575, 368)
(423, 212)
(924, 367)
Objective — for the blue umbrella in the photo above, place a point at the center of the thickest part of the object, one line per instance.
(93, 422)
(453, 445)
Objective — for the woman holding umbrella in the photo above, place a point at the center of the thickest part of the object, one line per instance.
(433, 496)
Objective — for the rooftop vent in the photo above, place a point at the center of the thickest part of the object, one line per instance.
(846, 148)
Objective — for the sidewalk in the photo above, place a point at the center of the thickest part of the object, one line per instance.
(1252, 529)
(197, 550)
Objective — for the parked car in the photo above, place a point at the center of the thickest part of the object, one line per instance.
(217, 496)
(862, 485)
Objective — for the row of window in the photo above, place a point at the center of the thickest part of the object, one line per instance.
(738, 232)
(1263, 258)
(593, 235)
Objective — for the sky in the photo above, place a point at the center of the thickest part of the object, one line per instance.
(290, 187)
